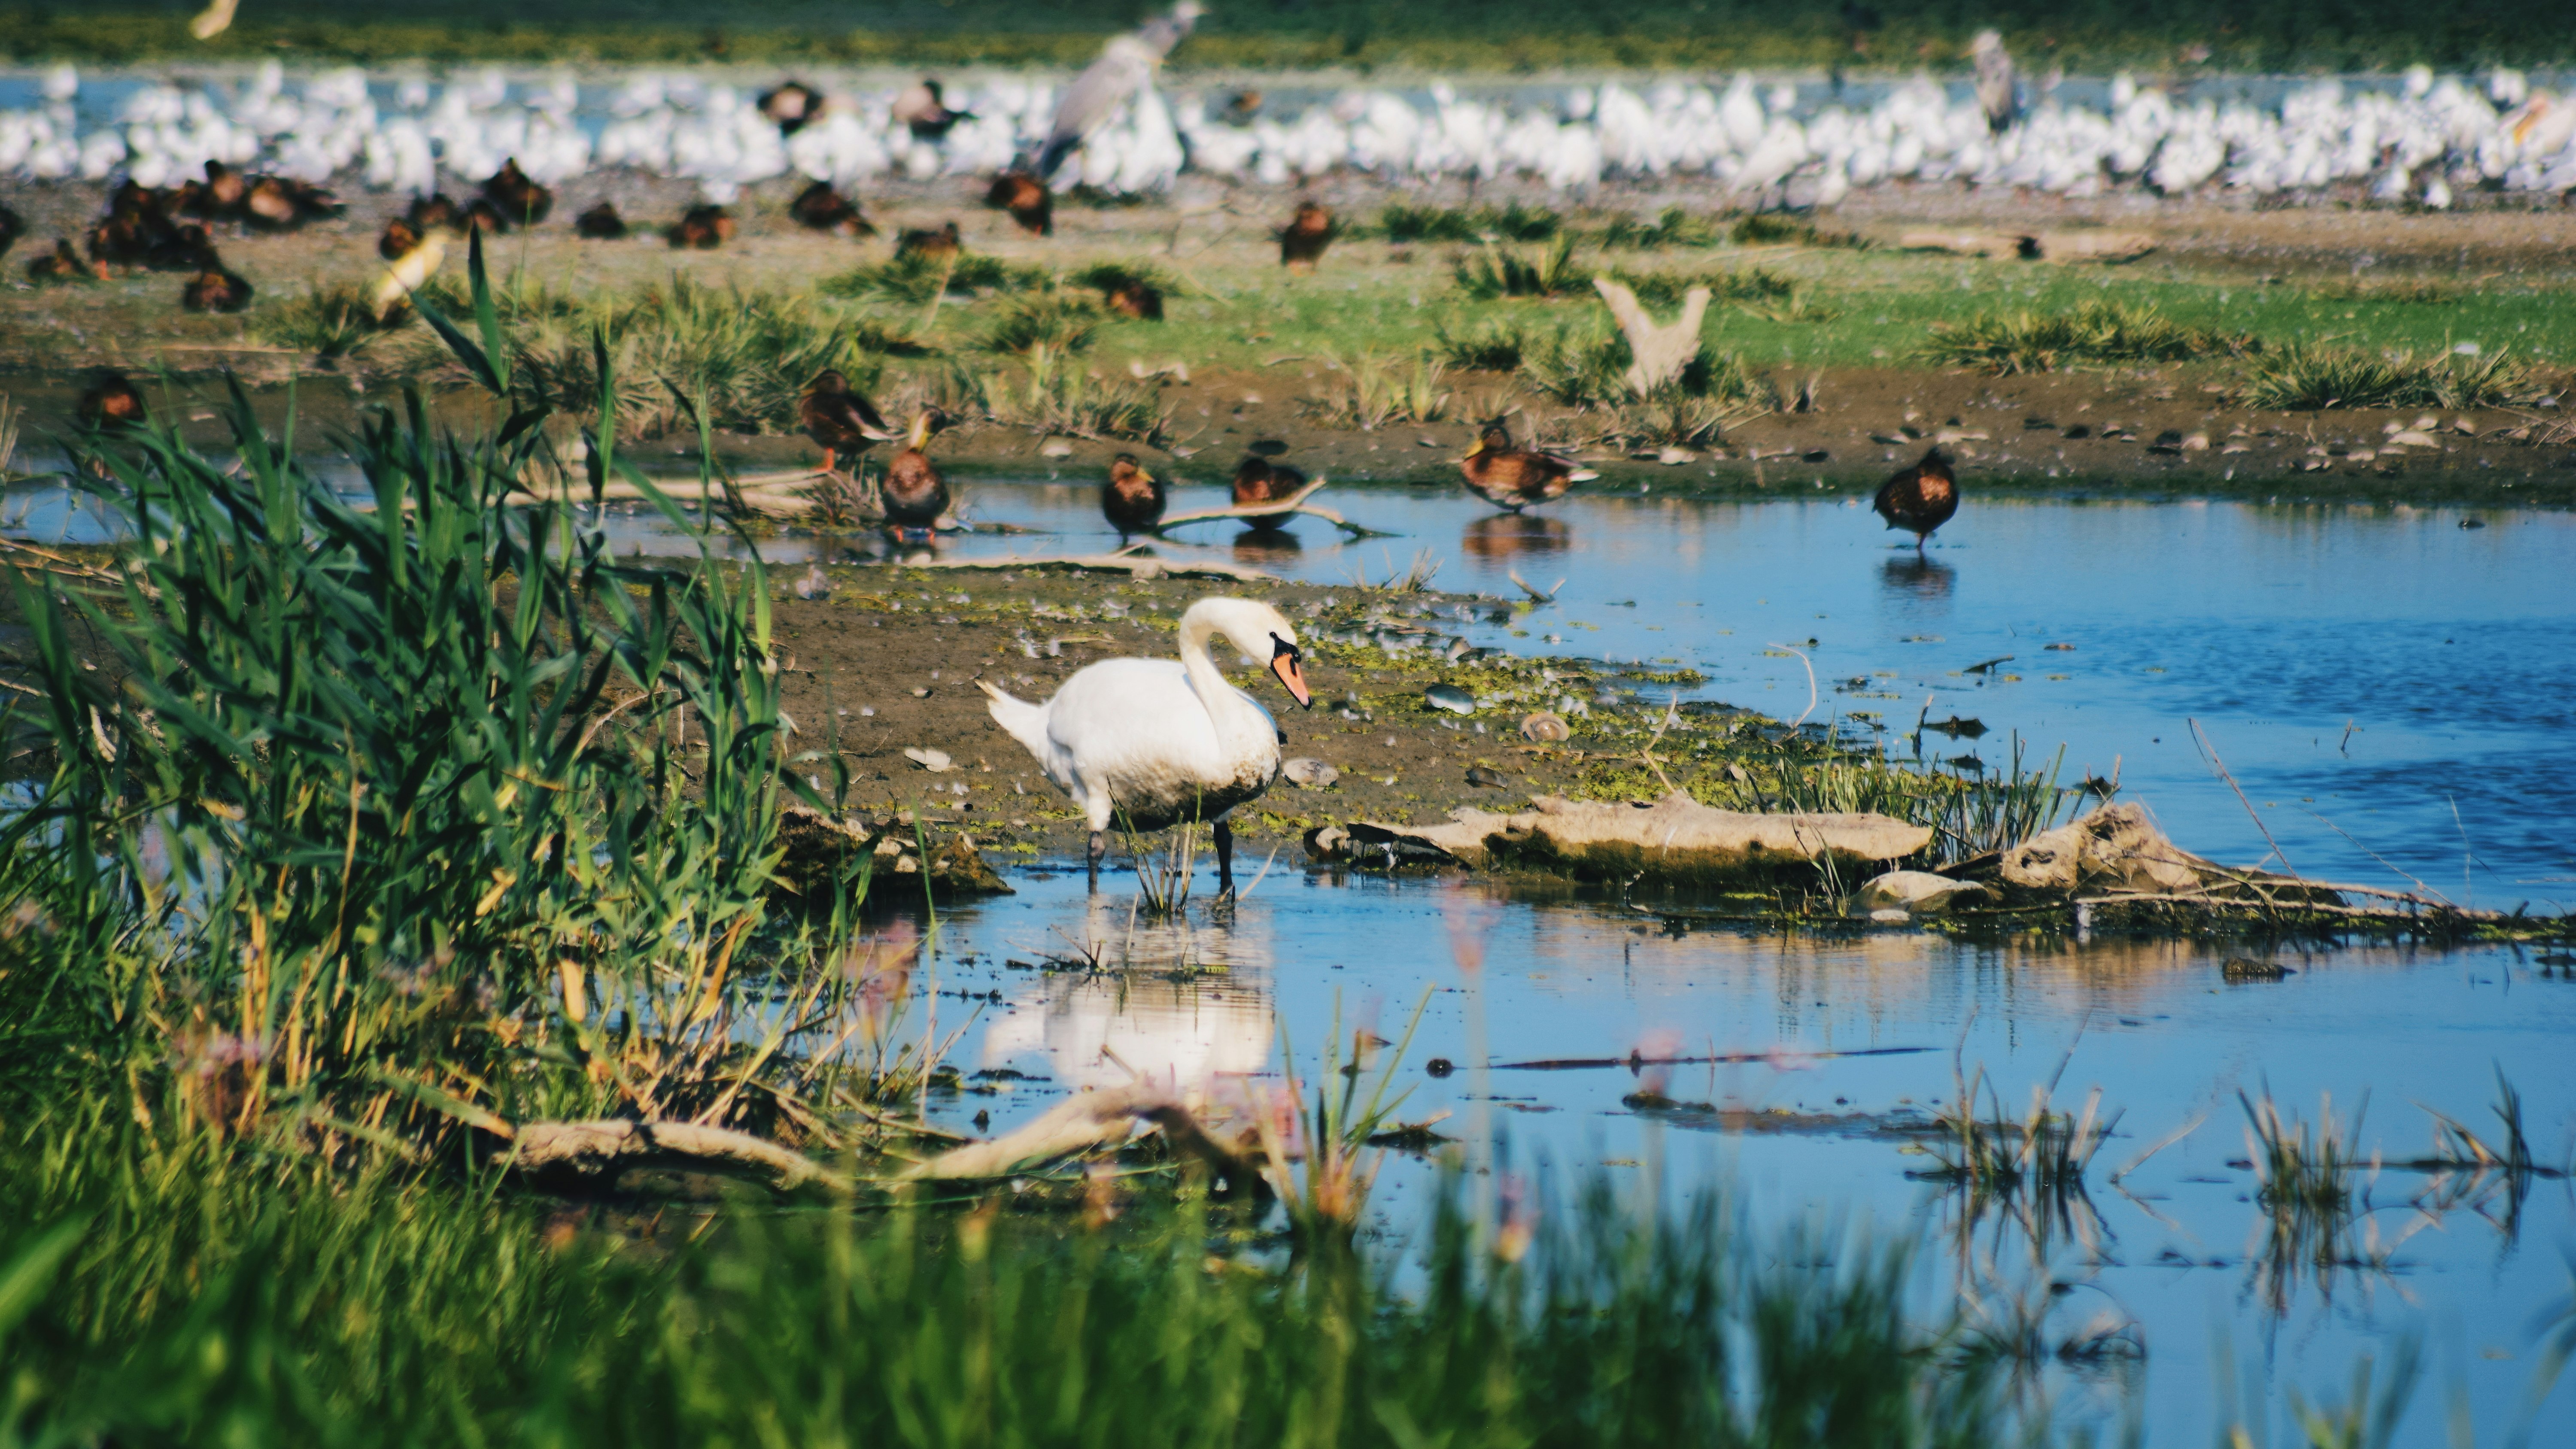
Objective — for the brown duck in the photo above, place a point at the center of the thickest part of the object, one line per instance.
(1303, 239)
(110, 401)
(1132, 500)
(840, 420)
(433, 212)
(791, 106)
(215, 290)
(63, 264)
(915, 495)
(1920, 498)
(600, 223)
(12, 227)
(924, 109)
(937, 246)
(702, 227)
(1514, 478)
(820, 208)
(1257, 480)
(1027, 199)
(1134, 297)
(399, 240)
(518, 196)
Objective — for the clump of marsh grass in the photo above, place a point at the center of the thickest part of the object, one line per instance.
(11, 416)
(2091, 331)
(327, 322)
(1369, 392)
(1733, 284)
(1327, 1131)
(2420, 290)
(1672, 227)
(1492, 272)
(1025, 322)
(2303, 376)
(1586, 365)
(1052, 394)
(1513, 222)
(746, 355)
(1496, 345)
(1773, 229)
(913, 278)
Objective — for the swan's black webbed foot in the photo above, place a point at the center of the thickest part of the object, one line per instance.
(1224, 834)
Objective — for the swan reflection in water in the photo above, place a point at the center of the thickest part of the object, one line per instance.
(1911, 575)
(1511, 535)
(1167, 1018)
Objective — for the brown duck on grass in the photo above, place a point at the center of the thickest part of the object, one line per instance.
(600, 223)
(1514, 478)
(215, 290)
(110, 401)
(938, 245)
(520, 199)
(915, 495)
(12, 227)
(702, 227)
(839, 419)
(433, 212)
(1303, 239)
(1027, 199)
(1132, 297)
(1920, 498)
(398, 240)
(819, 208)
(63, 264)
(1133, 499)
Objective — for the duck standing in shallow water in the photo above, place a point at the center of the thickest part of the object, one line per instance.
(1153, 743)
(1257, 480)
(1514, 478)
(839, 419)
(1132, 500)
(110, 401)
(915, 494)
(1920, 498)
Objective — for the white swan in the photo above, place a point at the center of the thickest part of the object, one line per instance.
(1155, 742)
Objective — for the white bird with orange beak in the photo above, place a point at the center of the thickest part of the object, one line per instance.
(1153, 743)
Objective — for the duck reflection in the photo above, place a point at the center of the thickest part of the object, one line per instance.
(1267, 545)
(1512, 535)
(1155, 1012)
(1913, 576)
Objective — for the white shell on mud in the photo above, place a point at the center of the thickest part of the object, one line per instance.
(935, 761)
(1451, 698)
(1546, 725)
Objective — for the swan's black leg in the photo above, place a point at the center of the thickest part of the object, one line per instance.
(1224, 860)
(1099, 848)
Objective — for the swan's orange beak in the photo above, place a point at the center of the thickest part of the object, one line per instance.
(1283, 662)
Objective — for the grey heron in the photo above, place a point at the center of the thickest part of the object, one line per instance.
(1995, 81)
(1126, 66)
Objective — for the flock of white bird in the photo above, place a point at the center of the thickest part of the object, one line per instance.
(2426, 140)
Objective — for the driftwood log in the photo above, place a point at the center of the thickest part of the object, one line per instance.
(1142, 566)
(1091, 1122)
(604, 1148)
(1294, 503)
(1660, 351)
(2046, 246)
(1673, 838)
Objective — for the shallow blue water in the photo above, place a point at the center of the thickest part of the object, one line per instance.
(2364, 673)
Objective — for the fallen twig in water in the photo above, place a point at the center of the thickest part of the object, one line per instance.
(1633, 1059)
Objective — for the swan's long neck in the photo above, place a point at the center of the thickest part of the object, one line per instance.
(1226, 706)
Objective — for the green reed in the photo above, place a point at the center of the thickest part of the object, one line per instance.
(160, 1293)
(381, 829)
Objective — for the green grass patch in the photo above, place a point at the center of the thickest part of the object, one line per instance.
(2093, 331)
(1514, 222)
(2307, 376)
(913, 277)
